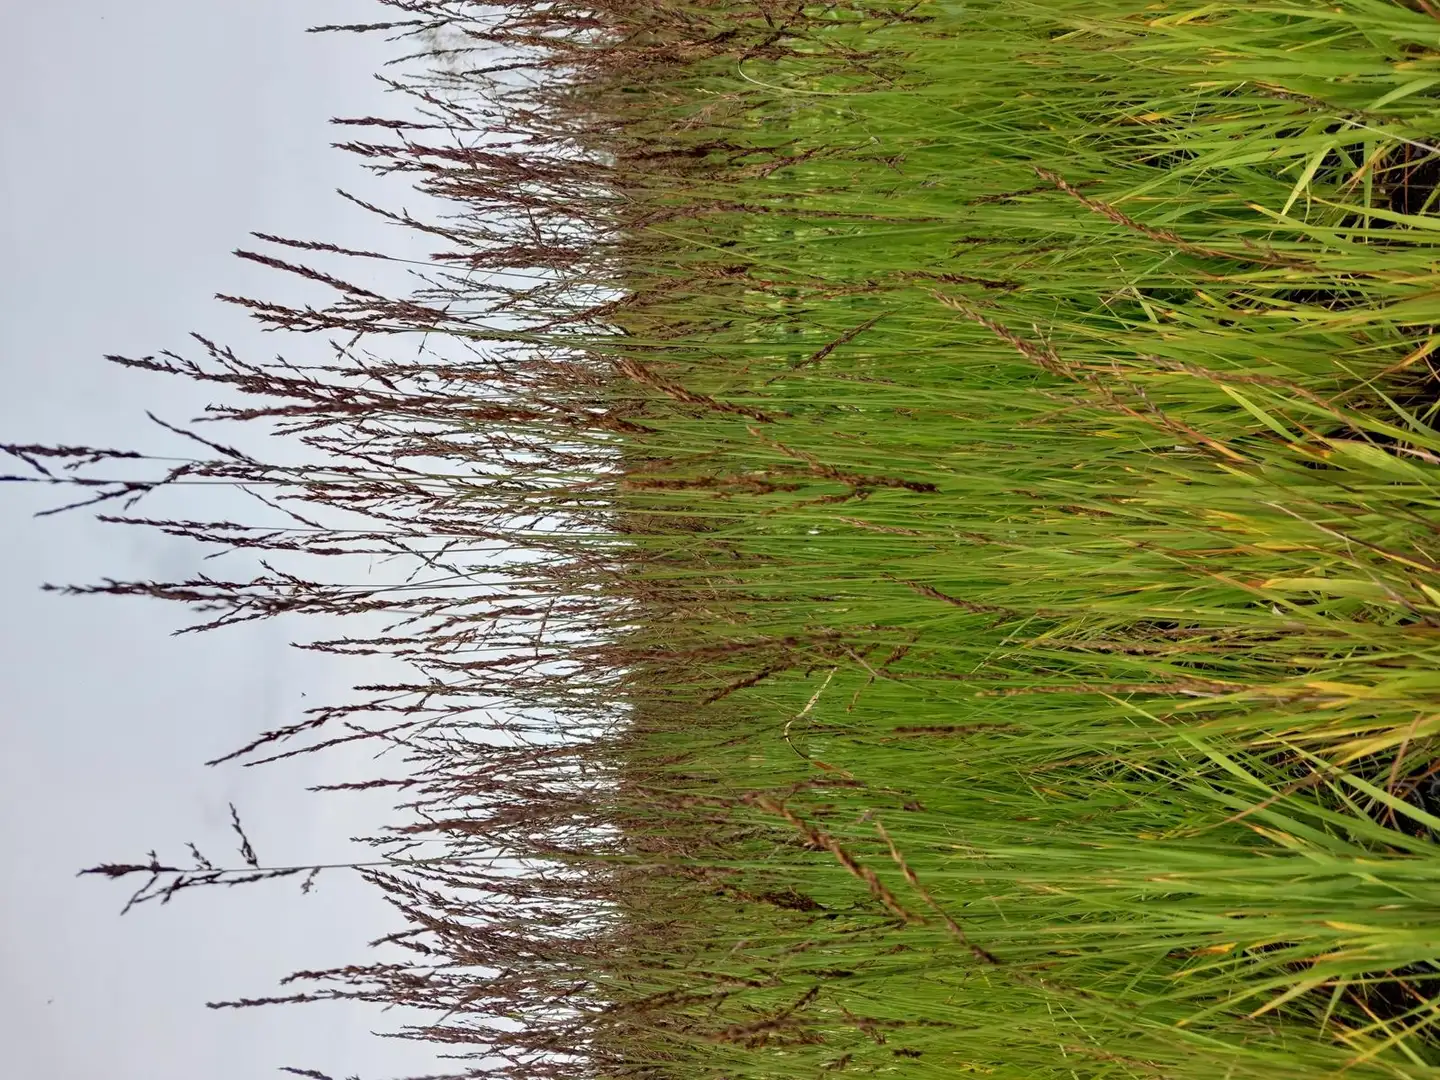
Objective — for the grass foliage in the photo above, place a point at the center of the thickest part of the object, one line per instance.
(976, 474)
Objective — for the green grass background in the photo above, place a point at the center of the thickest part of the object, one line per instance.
(1039, 477)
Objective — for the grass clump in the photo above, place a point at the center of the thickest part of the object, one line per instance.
(971, 480)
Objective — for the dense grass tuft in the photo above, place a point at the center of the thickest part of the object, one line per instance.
(969, 475)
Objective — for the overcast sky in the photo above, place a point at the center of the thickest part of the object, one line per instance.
(142, 141)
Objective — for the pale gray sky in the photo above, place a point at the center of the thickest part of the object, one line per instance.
(142, 141)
